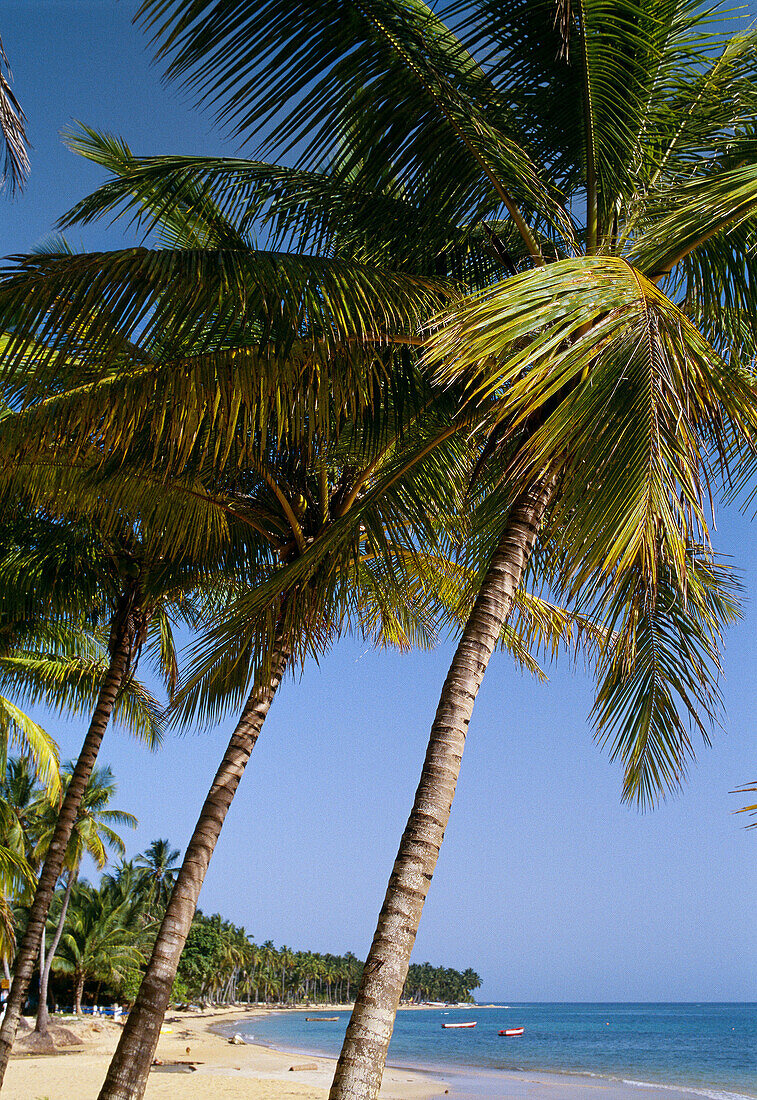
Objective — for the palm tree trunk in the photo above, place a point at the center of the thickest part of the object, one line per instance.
(361, 1062)
(43, 1016)
(127, 1074)
(78, 991)
(26, 955)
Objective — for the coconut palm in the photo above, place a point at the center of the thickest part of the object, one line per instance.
(19, 819)
(98, 942)
(158, 869)
(336, 517)
(92, 834)
(132, 588)
(283, 500)
(62, 667)
(277, 540)
(609, 149)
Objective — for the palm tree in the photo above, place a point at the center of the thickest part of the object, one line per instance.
(92, 834)
(608, 152)
(123, 580)
(305, 512)
(158, 870)
(19, 820)
(98, 942)
(332, 514)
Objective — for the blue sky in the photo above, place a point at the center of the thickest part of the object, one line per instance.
(546, 885)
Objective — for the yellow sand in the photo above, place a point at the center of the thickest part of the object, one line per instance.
(238, 1072)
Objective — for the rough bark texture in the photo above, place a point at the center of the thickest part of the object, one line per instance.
(127, 1074)
(46, 962)
(26, 956)
(361, 1063)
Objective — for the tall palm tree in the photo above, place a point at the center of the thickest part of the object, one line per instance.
(128, 584)
(334, 511)
(92, 834)
(294, 510)
(608, 151)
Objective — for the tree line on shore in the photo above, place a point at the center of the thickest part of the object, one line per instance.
(100, 937)
(220, 964)
(490, 337)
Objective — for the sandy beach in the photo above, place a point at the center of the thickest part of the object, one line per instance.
(238, 1071)
(199, 1063)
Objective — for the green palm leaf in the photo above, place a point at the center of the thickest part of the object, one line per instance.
(658, 680)
(21, 732)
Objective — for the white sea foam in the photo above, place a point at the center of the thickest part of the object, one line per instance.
(689, 1090)
(711, 1094)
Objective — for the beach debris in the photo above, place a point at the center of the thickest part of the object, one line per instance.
(303, 1066)
(237, 1040)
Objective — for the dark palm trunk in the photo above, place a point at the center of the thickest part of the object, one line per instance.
(361, 1062)
(26, 956)
(43, 1016)
(78, 993)
(127, 1074)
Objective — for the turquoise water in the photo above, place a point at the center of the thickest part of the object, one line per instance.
(708, 1049)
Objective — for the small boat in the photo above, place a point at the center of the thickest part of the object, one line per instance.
(320, 1019)
(471, 1023)
(511, 1031)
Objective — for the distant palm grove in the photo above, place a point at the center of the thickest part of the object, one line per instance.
(462, 345)
(100, 937)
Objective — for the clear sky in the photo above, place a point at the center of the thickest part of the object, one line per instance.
(546, 885)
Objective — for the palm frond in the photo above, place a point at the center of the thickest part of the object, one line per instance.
(391, 61)
(102, 305)
(750, 788)
(18, 730)
(13, 129)
(658, 679)
(610, 383)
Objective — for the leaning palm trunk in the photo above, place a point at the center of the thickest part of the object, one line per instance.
(127, 1074)
(26, 956)
(361, 1062)
(46, 962)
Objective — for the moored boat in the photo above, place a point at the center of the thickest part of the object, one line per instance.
(319, 1019)
(471, 1023)
(512, 1031)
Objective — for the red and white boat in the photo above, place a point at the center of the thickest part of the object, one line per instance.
(512, 1031)
(472, 1023)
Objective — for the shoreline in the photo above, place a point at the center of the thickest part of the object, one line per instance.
(196, 1046)
(482, 1083)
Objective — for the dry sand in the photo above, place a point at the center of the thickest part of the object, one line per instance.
(223, 1071)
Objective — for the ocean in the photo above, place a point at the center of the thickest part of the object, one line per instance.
(707, 1050)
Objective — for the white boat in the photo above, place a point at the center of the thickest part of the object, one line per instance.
(471, 1023)
(512, 1031)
